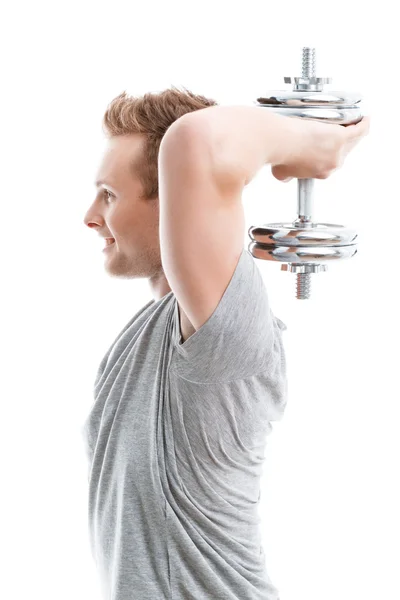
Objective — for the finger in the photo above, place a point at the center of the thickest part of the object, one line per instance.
(364, 124)
(367, 124)
(358, 130)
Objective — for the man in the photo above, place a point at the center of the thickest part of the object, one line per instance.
(185, 396)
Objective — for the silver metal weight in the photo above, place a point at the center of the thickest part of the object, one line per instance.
(303, 245)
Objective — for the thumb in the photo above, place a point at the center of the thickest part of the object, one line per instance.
(280, 173)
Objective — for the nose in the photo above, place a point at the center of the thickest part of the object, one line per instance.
(93, 217)
(88, 220)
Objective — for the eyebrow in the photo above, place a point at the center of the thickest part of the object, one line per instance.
(104, 182)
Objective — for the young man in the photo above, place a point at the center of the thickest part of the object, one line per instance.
(185, 396)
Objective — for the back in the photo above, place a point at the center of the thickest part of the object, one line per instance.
(175, 441)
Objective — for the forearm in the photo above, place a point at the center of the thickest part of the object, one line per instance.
(245, 138)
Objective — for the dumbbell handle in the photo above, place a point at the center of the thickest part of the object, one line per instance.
(305, 191)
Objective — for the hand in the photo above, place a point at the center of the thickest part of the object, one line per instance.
(322, 149)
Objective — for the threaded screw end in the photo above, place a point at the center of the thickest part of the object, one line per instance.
(303, 286)
(308, 64)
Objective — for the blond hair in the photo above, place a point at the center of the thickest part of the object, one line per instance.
(151, 115)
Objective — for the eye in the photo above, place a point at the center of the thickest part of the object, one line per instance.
(108, 195)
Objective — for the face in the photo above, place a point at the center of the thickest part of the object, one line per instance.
(120, 212)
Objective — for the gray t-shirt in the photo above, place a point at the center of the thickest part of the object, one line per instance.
(175, 440)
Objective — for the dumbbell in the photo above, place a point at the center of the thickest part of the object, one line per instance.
(305, 246)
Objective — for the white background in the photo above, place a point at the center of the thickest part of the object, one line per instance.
(330, 497)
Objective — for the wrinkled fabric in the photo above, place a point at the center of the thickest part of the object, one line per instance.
(175, 442)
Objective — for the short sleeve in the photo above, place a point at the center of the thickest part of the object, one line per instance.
(240, 339)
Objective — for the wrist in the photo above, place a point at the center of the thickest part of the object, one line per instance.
(294, 140)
